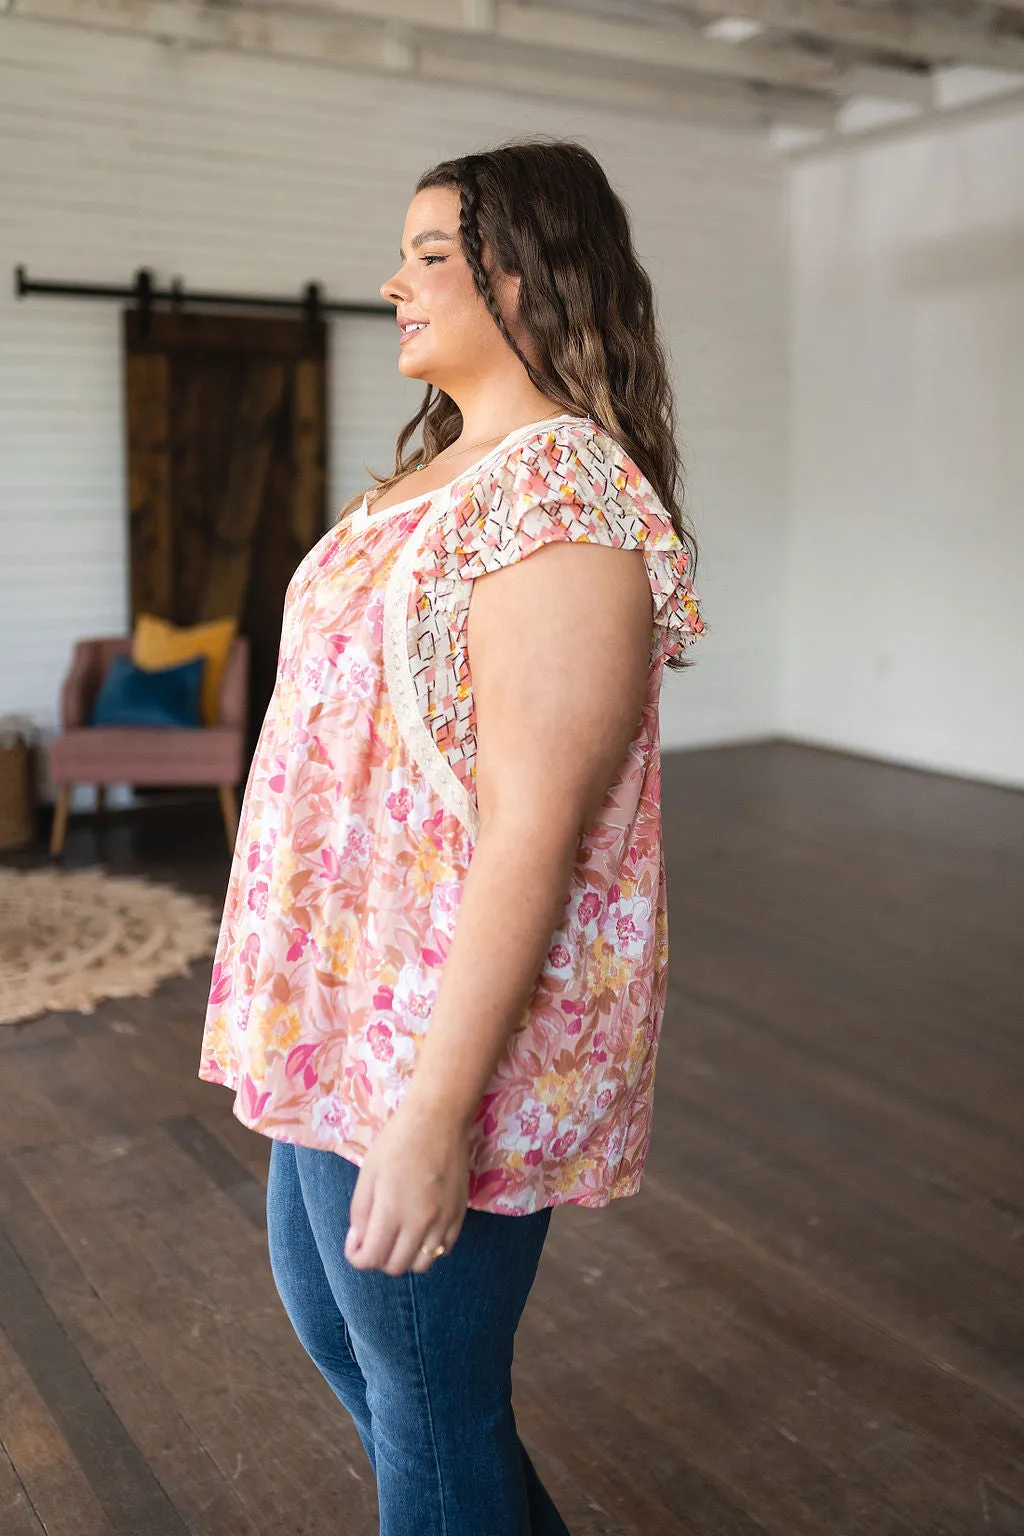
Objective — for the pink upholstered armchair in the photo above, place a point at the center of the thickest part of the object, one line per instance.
(105, 754)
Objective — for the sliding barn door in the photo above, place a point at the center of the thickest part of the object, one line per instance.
(227, 470)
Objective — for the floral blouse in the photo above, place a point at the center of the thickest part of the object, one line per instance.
(358, 827)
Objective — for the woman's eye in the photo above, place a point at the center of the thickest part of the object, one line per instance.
(433, 258)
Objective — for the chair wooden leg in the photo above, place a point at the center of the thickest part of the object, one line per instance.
(229, 811)
(60, 819)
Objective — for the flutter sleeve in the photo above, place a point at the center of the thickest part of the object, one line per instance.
(573, 484)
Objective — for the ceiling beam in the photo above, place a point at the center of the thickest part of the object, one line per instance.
(660, 47)
(586, 37)
(355, 43)
(872, 30)
(580, 35)
(852, 140)
(515, 68)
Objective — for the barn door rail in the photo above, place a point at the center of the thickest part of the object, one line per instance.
(146, 294)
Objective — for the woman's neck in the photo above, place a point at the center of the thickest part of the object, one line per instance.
(490, 414)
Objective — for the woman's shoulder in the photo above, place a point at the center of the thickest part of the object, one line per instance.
(567, 480)
(572, 470)
(574, 451)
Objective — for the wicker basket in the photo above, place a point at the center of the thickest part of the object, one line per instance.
(17, 784)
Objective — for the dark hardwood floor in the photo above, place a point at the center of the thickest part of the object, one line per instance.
(810, 1320)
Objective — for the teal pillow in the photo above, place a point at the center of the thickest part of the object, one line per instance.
(131, 695)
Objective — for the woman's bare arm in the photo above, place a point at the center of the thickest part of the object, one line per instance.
(559, 648)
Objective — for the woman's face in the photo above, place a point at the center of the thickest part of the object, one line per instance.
(458, 342)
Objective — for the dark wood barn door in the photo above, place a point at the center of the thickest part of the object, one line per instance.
(227, 469)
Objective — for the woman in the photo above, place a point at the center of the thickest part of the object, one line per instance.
(434, 1088)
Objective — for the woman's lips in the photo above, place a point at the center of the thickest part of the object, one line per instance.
(408, 335)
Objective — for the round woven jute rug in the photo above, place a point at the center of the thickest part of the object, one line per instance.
(70, 939)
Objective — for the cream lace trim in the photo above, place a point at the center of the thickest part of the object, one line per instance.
(402, 688)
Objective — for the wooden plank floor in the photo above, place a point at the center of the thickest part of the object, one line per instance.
(810, 1320)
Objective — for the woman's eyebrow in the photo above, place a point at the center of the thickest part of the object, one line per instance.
(424, 236)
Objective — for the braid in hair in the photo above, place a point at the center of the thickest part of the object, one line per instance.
(469, 230)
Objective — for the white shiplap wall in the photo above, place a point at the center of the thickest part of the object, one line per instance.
(906, 604)
(248, 174)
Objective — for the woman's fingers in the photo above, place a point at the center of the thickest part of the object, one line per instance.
(449, 1237)
(375, 1227)
(360, 1210)
(396, 1247)
(411, 1238)
(390, 1225)
(382, 1228)
(424, 1261)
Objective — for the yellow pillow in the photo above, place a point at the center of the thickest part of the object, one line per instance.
(156, 643)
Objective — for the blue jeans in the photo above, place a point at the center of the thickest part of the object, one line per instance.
(422, 1362)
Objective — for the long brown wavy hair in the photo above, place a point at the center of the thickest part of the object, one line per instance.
(550, 217)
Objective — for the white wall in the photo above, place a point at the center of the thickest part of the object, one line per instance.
(243, 174)
(906, 543)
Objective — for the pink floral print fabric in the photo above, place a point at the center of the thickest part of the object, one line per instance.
(358, 827)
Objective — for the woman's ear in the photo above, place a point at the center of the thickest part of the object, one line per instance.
(505, 286)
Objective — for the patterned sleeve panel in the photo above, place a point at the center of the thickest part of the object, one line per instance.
(570, 483)
(573, 484)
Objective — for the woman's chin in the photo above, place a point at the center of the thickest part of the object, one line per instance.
(412, 366)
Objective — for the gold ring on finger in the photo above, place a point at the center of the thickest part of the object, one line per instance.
(435, 1253)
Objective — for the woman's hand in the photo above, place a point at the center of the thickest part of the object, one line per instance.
(412, 1190)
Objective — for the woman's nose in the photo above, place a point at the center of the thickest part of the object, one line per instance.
(391, 289)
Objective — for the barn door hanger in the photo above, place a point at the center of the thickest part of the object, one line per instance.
(146, 294)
